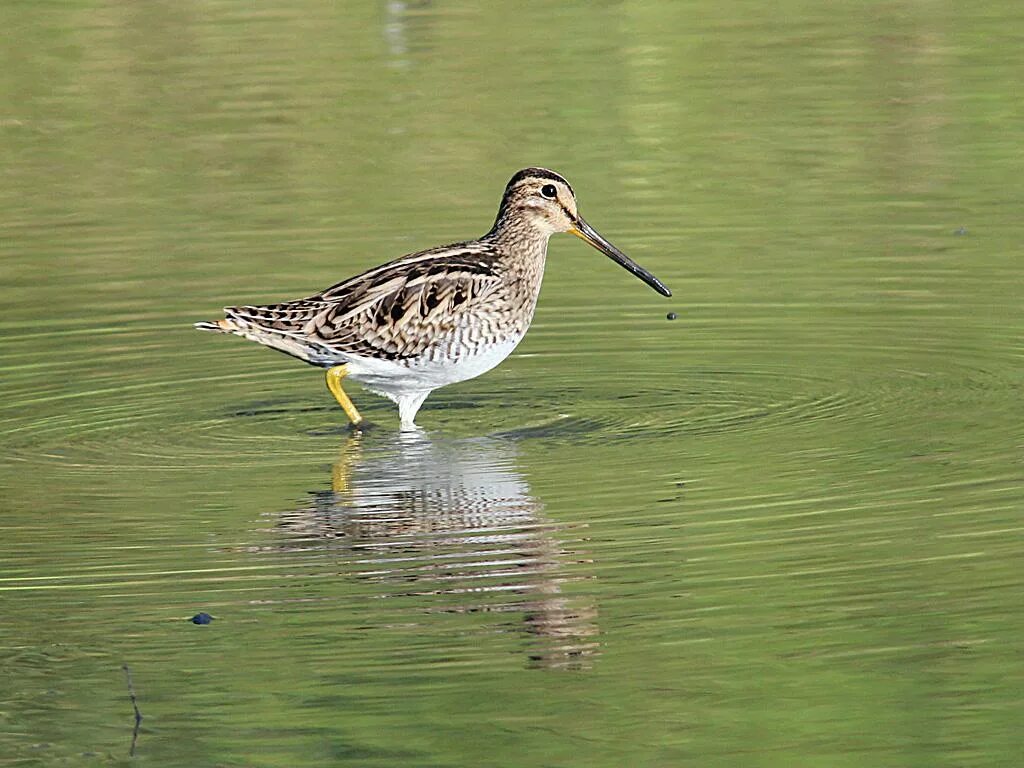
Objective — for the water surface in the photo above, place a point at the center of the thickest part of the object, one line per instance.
(782, 529)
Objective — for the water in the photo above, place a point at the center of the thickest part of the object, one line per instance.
(782, 529)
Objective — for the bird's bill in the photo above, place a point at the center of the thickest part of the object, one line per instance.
(588, 234)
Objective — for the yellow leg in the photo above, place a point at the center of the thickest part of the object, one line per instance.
(334, 377)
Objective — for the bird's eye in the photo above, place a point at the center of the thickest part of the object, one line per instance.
(549, 191)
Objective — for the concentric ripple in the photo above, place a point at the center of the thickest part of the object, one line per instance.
(227, 401)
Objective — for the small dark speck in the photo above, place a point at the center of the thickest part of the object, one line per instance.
(960, 231)
(671, 316)
(202, 618)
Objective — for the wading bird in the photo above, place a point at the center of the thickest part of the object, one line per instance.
(435, 317)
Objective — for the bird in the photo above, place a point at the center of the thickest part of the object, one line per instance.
(434, 317)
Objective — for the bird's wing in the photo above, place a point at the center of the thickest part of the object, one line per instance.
(396, 311)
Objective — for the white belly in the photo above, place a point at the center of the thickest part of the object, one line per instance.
(398, 377)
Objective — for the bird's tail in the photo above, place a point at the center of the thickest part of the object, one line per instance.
(289, 342)
(217, 326)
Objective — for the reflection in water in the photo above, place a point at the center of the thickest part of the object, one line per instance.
(402, 18)
(452, 521)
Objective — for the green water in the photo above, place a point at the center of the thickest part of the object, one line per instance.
(783, 529)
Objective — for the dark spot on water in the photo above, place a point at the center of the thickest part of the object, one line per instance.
(202, 618)
(457, 405)
(671, 316)
(362, 426)
(258, 410)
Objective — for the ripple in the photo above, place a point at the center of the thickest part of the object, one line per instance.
(105, 406)
(716, 402)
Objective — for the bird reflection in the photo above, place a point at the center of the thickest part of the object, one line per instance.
(405, 25)
(453, 523)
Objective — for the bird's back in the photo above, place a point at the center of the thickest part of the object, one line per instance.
(413, 307)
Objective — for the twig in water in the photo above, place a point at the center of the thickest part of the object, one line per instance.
(135, 706)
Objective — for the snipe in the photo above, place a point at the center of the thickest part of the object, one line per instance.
(435, 317)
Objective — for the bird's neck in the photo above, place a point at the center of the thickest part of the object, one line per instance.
(515, 235)
(522, 248)
(522, 252)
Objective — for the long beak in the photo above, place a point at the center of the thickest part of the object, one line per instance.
(588, 234)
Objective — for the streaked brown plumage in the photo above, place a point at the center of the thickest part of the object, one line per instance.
(434, 317)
